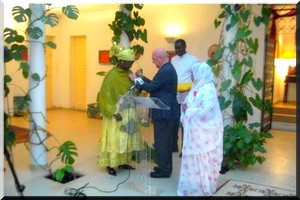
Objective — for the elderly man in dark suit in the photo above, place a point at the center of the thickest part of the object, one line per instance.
(164, 87)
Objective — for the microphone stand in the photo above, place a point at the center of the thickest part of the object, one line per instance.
(20, 188)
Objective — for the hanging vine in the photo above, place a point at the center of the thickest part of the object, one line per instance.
(243, 142)
(127, 20)
(16, 46)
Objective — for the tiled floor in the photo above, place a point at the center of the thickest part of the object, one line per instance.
(279, 169)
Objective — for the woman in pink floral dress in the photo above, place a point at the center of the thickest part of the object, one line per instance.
(202, 122)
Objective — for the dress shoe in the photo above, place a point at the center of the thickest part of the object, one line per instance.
(180, 155)
(111, 171)
(159, 175)
(125, 166)
(156, 168)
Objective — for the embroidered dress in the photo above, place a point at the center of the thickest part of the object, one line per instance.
(118, 139)
(202, 151)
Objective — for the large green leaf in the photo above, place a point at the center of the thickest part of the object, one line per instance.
(70, 11)
(51, 19)
(67, 151)
(51, 44)
(245, 15)
(17, 50)
(268, 106)
(225, 85)
(223, 103)
(239, 107)
(258, 20)
(129, 7)
(59, 174)
(257, 84)
(253, 125)
(9, 135)
(266, 135)
(36, 77)
(217, 23)
(34, 32)
(242, 33)
(20, 14)
(253, 45)
(219, 53)
(11, 36)
(138, 6)
(7, 79)
(69, 168)
(248, 61)
(247, 77)
(257, 102)
(237, 70)
(101, 73)
(24, 66)
(248, 107)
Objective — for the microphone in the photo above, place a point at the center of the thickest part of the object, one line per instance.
(132, 87)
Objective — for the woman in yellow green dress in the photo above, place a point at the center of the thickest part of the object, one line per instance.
(120, 135)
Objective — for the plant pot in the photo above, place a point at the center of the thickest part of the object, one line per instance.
(67, 178)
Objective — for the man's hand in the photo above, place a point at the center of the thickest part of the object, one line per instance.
(118, 117)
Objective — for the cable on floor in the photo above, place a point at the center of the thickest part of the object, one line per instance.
(80, 191)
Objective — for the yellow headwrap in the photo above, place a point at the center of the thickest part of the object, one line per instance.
(122, 53)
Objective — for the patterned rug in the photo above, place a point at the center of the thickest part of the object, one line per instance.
(241, 188)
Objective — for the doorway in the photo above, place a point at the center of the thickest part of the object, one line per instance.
(78, 73)
(284, 57)
(49, 83)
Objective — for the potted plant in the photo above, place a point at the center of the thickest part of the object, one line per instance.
(66, 153)
(238, 90)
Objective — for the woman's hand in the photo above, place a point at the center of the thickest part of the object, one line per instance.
(118, 117)
(132, 76)
(183, 106)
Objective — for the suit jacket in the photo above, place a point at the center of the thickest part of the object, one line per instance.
(164, 87)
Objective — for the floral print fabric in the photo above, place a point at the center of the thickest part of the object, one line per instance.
(202, 122)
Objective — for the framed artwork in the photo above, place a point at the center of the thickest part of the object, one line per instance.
(171, 54)
(103, 57)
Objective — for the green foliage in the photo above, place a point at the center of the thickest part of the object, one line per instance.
(101, 73)
(243, 146)
(9, 135)
(60, 173)
(66, 154)
(18, 45)
(242, 143)
(131, 24)
(20, 14)
(70, 11)
(67, 151)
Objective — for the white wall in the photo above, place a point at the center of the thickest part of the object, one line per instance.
(197, 21)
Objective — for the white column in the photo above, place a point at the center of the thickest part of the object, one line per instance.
(124, 38)
(37, 105)
(227, 66)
